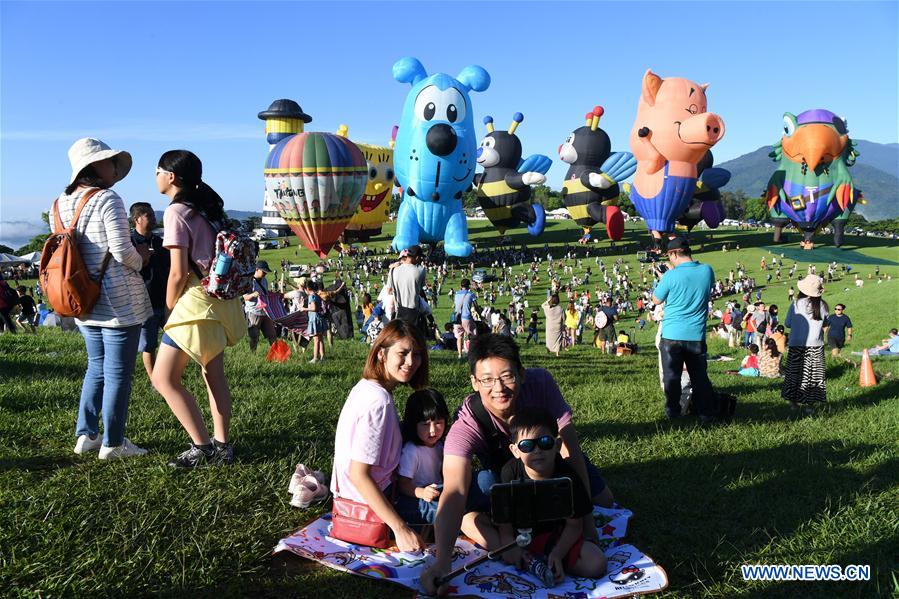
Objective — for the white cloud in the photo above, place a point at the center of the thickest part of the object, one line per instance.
(161, 131)
(16, 233)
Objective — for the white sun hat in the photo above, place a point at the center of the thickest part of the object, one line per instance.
(88, 150)
(812, 286)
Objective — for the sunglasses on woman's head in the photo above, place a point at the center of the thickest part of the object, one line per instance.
(546, 442)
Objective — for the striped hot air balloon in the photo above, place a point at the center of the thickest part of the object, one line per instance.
(316, 181)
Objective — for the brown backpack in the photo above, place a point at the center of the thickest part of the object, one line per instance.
(65, 280)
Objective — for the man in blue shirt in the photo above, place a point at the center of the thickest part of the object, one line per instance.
(685, 290)
(889, 347)
(463, 325)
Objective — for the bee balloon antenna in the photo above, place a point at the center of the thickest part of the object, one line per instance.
(595, 115)
(517, 118)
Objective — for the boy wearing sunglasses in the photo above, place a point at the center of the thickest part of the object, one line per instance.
(535, 449)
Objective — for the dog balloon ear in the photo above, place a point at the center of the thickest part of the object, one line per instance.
(475, 78)
(409, 70)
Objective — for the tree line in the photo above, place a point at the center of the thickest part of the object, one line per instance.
(736, 206)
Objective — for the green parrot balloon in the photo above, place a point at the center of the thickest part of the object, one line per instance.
(812, 186)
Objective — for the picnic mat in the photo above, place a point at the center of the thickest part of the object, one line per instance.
(630, 572)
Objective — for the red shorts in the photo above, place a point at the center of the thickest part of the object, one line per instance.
(543, 544)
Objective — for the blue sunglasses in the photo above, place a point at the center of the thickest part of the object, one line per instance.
(546, 442)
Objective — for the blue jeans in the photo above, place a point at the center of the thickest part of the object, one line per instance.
(414, 511)
(149, 332)
(107, 383)
(674, 356)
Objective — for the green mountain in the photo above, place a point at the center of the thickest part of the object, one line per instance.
(236, 214)
(876, 173)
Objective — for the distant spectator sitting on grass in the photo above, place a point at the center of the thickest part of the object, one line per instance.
(889, 346)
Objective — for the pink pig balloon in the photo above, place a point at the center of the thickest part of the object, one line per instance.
(672, 133)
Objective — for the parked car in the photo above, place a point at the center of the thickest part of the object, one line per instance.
(481, 275)
(295, 271)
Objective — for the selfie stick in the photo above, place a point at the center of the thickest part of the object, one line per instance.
(522, 540)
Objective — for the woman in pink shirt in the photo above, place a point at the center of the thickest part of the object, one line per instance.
(368, 441)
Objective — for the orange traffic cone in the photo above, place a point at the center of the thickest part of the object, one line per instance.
(866, 376)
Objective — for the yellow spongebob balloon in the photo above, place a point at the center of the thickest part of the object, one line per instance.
(375, 205)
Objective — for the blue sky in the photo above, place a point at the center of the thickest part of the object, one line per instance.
(153, 76)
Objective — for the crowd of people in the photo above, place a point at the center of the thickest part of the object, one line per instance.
(416, 470)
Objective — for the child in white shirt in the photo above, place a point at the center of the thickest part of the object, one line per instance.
(421, 463)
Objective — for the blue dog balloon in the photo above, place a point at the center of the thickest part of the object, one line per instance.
(434, 158)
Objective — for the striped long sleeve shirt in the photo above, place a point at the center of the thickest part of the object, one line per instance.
(103, 225)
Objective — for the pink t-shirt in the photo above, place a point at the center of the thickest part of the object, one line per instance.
(185, 228)
(368, 431)
(538, 390)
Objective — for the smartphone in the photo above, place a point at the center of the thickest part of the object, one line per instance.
(525, 503)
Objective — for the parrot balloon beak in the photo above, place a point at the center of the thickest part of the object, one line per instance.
(814, 144)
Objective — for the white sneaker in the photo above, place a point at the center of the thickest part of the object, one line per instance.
(125, 450)
(301, 472)
(85, 444)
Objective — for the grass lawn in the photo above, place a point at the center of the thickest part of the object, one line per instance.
(771, 488)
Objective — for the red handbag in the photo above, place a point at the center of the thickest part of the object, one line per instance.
(357, 523)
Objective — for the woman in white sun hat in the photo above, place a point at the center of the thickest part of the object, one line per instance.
(111, 329)
(804, 381)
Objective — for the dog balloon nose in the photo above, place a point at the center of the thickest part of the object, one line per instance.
(441, 139)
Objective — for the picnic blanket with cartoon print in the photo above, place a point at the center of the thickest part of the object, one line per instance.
(630, 572)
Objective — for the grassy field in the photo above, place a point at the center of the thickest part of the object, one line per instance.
(771, 488)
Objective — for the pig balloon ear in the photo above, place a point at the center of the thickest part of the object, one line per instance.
(651, 85)
(704, 86)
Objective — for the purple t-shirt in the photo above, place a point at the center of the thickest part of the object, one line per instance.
(185, 228)
(539, 390)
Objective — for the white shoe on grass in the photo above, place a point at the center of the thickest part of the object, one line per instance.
(85, 444)
(126, 450)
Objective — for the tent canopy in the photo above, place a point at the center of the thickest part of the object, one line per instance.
(9, 259)
(32, 258)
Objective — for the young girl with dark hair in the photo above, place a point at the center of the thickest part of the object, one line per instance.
(421, 462)
(317, 324)
(769, 359)
(199, 326)
(191, 190)
(804, 381)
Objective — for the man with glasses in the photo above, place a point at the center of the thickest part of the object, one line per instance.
(503, 387)
(839, 329)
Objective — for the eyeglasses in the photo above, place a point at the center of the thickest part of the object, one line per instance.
(546, 442)
(159, 169)
(488, 382)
